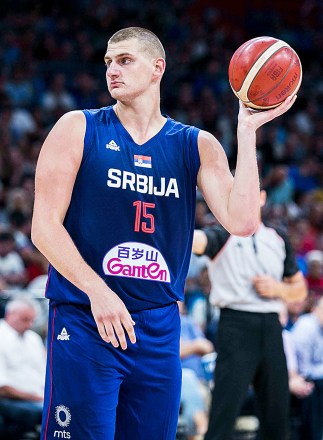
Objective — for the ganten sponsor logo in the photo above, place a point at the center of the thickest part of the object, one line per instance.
(136, 260)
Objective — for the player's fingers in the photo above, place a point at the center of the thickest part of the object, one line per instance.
(102, 332)
(284, 106)
(109, 330)
(130, 330)
(119, 331)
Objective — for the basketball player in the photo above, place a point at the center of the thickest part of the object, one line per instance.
(114, 215)
(251, 279)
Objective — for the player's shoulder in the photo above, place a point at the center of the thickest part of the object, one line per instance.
(206, 136)
(207, 142)
(102, 114)
(175, 126)
(72, 116)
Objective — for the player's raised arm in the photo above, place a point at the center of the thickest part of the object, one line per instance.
(235, 201)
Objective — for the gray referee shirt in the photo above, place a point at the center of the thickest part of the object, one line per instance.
(234, 261)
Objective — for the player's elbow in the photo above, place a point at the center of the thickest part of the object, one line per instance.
(243, 229)
(36, 234)
(35, 237)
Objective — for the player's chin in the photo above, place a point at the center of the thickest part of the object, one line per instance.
(117, 93)
(113, 91)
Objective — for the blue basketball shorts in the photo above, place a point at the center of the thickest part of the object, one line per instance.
(97, 392)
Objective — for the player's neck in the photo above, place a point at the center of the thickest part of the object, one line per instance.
(141, 124)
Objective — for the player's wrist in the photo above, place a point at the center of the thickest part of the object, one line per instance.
(98, 287)
(246, 128)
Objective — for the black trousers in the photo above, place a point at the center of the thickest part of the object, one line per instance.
(18, 417)
(310, 414)
(250, 351)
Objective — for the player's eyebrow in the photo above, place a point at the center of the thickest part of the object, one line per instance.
(120, 55)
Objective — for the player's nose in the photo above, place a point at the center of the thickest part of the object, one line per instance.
(113, 70)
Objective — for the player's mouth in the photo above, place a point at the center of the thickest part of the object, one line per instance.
(115, 84)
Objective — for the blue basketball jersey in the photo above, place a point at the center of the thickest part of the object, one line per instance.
(132, 212)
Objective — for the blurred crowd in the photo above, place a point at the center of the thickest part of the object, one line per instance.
(51, 61)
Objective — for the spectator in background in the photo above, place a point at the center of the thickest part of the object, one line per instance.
(294, 310)
(297, 229)
(16, 165)
(197, 290)
(57, 96)
(279, 186)
(85, 91)
(194, 405)
(314, 276)
(22, 369)
(193, 344)
(314, 227)
(18, 200)
(203, 216)
(308, 339)
(35, 263)
(17, 121)
(12, 268)
(305, 176)
(27, 183)
(299, 386)
(3, 207)
(19, 87)
(195, 393)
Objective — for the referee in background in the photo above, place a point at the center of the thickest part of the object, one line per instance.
(250, 278)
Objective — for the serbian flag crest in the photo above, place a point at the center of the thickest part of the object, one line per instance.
(142, 161)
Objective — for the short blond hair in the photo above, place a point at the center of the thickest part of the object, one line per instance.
(149, 42)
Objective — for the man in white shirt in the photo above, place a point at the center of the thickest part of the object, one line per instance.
(308, 338)
(22, 369)
(251, 278)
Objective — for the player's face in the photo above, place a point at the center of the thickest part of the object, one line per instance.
(130, 71)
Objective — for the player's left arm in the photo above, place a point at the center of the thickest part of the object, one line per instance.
(235, 202)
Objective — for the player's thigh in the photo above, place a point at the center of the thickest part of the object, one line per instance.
(149, 400)
(149, 409)
(82, 380)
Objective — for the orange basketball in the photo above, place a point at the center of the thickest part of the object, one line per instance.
(264, 71)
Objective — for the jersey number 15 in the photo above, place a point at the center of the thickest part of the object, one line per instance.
(144, 220)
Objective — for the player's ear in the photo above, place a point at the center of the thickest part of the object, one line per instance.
(160, 65)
